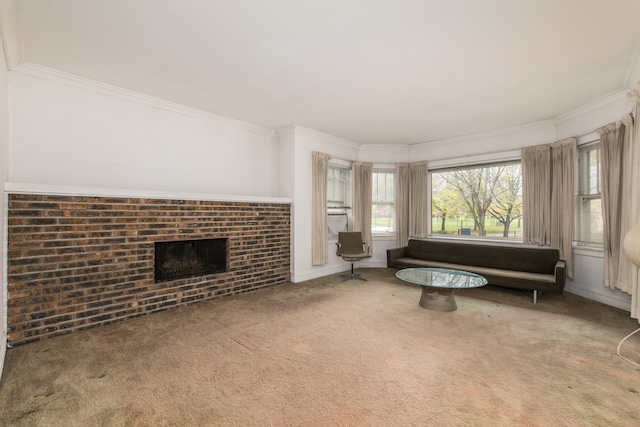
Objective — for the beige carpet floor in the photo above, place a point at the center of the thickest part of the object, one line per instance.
(328, 353)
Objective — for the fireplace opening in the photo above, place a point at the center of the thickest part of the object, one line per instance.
(189, 258)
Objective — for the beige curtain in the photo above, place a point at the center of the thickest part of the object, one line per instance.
(611, 151)
(402, 204)
(563, 172)
(631, 184)
(419, 212)
(548, 191)
(362, 200)
(319, 231)
(620, 148)
(536, 194)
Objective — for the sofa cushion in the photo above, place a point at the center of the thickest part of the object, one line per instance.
(524, 259)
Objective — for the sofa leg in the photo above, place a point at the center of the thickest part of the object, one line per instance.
(535, 297)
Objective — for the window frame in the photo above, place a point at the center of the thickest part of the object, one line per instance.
(384, 169)
(343, 210)
(471, 162)
(583, 194)
(345, 181)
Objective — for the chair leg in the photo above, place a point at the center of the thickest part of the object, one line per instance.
(353, 275)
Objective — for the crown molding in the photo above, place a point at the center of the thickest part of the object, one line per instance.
(384, 147)
(605, 100)
(326, 137)
(39, 71)
(11, 36)
(488, 134)
(285, 131)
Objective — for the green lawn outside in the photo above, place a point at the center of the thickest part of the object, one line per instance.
(383, 222)
(452, 225)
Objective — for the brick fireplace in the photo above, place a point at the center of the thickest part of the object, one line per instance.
(76, 262)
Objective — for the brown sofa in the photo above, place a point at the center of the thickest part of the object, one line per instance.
(520, 267)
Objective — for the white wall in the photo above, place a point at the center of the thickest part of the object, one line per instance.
(287, 179)
(71, 132)
(588, 267)
(381, 153)
(306, 142)
(588, 280)
(4, 143)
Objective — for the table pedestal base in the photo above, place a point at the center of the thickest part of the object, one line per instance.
(439, 300)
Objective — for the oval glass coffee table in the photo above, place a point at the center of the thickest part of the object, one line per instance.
(439, 284)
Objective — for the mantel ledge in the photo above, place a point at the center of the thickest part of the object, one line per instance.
(62, 190)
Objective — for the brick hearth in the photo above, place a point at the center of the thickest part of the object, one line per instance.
(76, 262)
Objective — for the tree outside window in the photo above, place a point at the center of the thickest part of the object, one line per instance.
(478, 201)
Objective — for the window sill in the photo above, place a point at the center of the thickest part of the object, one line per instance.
(591, 251)
(477, 240)
(384, 236)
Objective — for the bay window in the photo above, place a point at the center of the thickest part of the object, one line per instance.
(477, 201)
(589, 225)
(383, 213)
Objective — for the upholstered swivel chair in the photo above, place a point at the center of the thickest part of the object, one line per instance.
(351, 248)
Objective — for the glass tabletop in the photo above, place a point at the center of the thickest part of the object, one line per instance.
(441, 278)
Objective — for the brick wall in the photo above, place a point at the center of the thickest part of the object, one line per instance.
(76, 262)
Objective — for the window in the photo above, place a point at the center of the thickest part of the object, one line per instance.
(337, 186)
(589, 204)
(478, 201)
(383, 214)
(338, 190)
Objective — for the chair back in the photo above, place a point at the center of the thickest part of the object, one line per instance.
(350, 242)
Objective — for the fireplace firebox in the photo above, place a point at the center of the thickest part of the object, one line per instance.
(189, 258)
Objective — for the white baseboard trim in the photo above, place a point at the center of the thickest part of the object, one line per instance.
(622, 304)
(303, 277)
(3, 352)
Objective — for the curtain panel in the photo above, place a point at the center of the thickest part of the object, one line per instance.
(319, 231)
(419, 212)
(631, 186)
(362, 200)
(402, 204)
(620, 150)
(548, 191)
(612, 150)
(563, 172)
(627, 271)
(536, 194)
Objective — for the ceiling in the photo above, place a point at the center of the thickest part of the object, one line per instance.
(371, 71)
